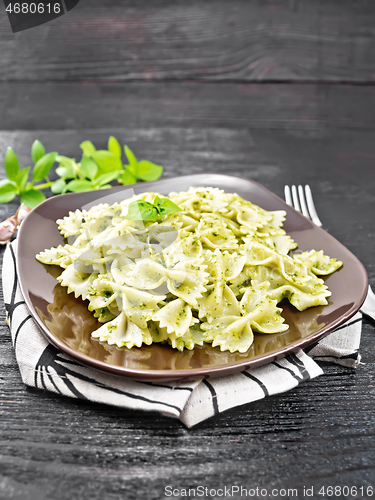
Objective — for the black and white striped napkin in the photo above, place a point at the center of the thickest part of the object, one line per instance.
(45, 367)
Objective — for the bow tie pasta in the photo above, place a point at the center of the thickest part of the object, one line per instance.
(214, 271)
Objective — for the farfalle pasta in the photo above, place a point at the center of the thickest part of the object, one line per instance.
(213, 272)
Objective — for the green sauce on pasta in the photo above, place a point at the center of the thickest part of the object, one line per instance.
(213, 272)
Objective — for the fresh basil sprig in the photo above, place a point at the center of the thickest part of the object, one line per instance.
(99, 167)
(96, 170)
(144, 210)
(17, 182)
(139, 170)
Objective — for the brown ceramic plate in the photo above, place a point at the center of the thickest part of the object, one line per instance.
(67, 323)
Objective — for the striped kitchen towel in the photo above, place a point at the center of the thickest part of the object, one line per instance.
(43, 366)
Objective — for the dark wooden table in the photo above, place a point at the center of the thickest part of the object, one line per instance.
(280, 93)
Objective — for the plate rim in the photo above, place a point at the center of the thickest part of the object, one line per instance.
(193, 373)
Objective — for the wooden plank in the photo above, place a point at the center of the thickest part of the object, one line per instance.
(258, 40)
(306, 108)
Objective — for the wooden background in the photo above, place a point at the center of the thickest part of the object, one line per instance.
(209, 40)
(276, 91)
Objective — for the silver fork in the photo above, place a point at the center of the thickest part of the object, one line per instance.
(301, 200)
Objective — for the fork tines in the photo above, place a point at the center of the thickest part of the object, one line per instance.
(302, 201)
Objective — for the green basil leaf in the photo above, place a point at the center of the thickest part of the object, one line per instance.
(58, 186)
(148, 171)
(107, 161)
(128, 178)
(43, 166)
(8, 191)
(78, 186)
(66, 172)
(142, 210)
(89, 168)
(105, 186)
(32, 198)
(165, 206)
(22, 178)
(114, 146)
(105, 178)
(65, 161)
(12, 165)
(133, 162)
(88, 148)
(132, 169)
(37, 151)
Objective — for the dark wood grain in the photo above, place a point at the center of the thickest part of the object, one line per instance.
(216, 40)
(304, 109)
(318, 434)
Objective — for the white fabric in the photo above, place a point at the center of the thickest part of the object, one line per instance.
(45, 367)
